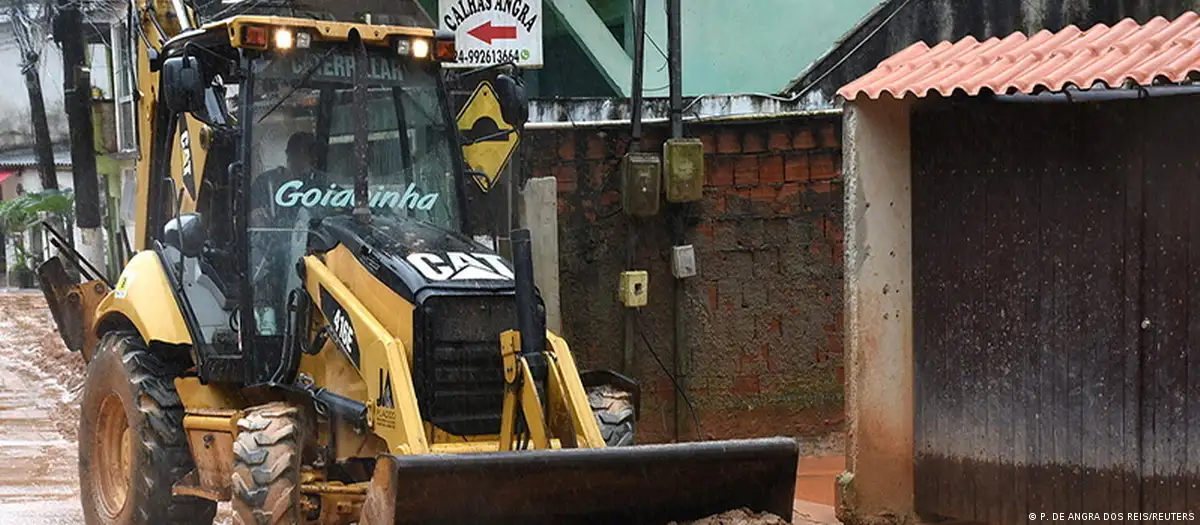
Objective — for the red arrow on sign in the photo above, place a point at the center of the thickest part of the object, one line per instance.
(488, 32)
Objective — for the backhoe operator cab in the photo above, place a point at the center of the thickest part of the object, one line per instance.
(291, 139)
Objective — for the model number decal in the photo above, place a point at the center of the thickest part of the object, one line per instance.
(459, 266)
(341, 330)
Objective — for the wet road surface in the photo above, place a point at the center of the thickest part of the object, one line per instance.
(38, 470)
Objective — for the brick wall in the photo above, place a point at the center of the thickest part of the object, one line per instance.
(762, 318)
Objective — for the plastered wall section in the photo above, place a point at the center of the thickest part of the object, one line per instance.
(878, 484)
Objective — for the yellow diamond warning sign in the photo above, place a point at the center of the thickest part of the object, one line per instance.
(489, 141)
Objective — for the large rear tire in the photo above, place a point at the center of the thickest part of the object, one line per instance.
(266, 467)
(132, 447)
(615, 414)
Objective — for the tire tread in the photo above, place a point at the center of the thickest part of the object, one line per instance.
(615, 415)
(266, 467)
(151, 376)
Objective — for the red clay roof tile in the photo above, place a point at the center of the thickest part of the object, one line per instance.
(1125, 52)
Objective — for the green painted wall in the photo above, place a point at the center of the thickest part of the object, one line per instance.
(729, 46)
(751, 46)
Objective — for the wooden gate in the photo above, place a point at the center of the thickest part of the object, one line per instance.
(1057, 309)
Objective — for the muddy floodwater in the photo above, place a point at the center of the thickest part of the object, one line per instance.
(41, 383)
(39, 481)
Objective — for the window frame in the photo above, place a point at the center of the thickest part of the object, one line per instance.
(124, 90)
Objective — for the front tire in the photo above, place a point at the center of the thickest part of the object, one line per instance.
(266, 467)
(615, 414)
(132, 447)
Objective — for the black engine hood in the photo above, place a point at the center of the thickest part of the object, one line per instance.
(416, 258)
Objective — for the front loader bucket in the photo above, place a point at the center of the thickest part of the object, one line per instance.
(651, 484)
(62, 296)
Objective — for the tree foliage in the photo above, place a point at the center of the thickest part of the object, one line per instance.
(15, 217)
(16, 214)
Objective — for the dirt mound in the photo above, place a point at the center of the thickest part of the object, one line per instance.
(737, 517)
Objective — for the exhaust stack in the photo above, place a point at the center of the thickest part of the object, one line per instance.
(531, 321)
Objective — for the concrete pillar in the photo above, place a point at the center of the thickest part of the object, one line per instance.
(878, 484)
(539, 213)
(89, 242)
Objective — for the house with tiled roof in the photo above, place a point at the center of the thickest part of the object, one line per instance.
(894, 25)
(19, 171)
(1022, 206)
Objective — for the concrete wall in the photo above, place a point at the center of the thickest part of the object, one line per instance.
(16, 128)
(762, 321)
(878, 484)
(898, 24)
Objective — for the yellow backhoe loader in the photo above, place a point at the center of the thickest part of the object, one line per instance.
(305, 329)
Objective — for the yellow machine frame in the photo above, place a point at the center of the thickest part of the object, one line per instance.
(558, 416)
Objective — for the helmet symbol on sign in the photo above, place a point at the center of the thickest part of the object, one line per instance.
(488, 140)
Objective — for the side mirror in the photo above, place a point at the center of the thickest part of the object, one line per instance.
(186, 234)
(183, 84)
(514, 105)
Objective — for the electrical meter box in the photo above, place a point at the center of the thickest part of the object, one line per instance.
(640, 183)
(683, 261)
(634, 288)
(683, 169)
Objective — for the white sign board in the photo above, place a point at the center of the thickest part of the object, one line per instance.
(494, 31)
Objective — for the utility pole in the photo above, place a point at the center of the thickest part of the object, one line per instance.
(677, 217)
(29, 20)
(44, 150)
(639, 65)
(635, 145)
(674, 66)
(77, 91)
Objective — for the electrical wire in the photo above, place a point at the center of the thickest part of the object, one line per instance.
(637, 319)
(660, 52)
(852, 52)
(605, 183)
(235, 8)
(804, 91)
(610, 214)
